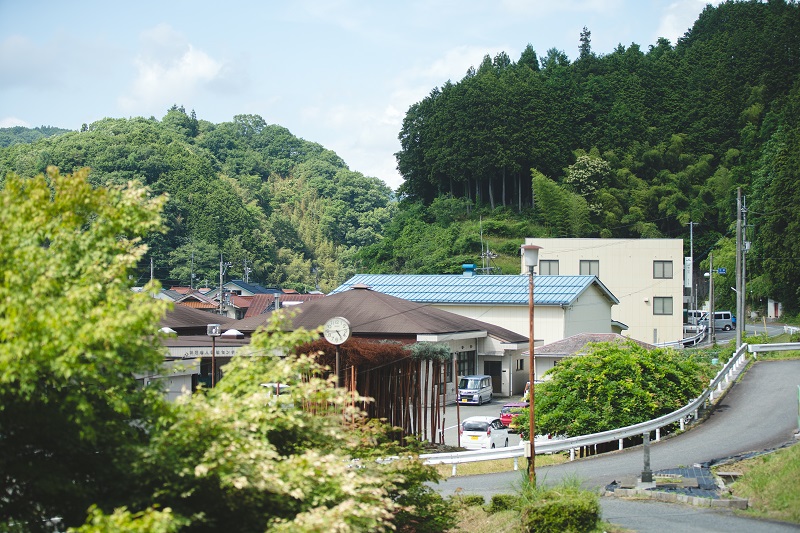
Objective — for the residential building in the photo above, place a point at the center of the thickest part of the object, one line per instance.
(645, 274)
(563, 306)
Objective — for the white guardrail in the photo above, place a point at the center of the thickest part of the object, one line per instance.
(722, 380)
(689, 341)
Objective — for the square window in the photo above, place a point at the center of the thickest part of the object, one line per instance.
(548, 267)
(662, 305)
(520, 365)
(662, 269)
(590, 267)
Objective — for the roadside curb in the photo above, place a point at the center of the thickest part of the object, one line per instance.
(672, 497)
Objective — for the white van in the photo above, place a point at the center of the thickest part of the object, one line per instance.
(475, 389)
(693, 316)
(723, 320)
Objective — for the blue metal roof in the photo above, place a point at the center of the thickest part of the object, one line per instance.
(460, 289)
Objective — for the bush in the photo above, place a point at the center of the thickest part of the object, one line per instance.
(469, 500)
(503, 502)
(558, 510)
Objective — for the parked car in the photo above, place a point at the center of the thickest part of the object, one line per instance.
(509, 411)
(475, 389)
(478, 432)
(722, 320)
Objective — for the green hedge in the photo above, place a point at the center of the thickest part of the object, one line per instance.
(567, 511)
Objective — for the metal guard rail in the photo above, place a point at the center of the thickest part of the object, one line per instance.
(688, 341)
(722, 379)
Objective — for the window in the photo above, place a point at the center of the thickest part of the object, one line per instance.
(548, 267)
(662, 305)
(662, 269)
(590, 267)
(520, 365)
(466, 365)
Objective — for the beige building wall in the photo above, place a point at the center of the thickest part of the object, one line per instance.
(626, 268)
(548, 321)
(589, 313)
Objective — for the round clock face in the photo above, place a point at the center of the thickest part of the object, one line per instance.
(337, 330)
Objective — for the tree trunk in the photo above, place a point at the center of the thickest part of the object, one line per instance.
(491, 194)
(504, 186)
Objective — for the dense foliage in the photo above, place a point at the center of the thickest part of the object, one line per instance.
(633, 144)
(286, 208)
(68, 349)
(630, 144)
(79, 436)
(615, 385)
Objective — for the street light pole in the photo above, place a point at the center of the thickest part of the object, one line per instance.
(530, 253)
(213, 331)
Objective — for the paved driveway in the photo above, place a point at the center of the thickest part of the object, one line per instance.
(759, 412)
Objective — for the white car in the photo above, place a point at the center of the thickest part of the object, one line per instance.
(478, 432)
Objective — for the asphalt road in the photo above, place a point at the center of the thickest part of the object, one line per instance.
(759, 412)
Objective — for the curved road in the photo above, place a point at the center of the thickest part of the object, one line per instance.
(759, 412)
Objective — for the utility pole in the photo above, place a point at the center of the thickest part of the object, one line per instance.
(692, 303)
(739, 255)
(711, 298)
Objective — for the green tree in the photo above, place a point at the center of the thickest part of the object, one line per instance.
(72, 335)
(614, 385)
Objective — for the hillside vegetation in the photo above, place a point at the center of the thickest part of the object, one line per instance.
(632, 144)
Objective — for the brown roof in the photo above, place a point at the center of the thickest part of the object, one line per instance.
(198, 305)
(576, 344)
(372, 314)
(186, 320)
(262, 302)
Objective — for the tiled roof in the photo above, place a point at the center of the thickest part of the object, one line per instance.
(265, 302)
(373, 313)
(576, 344)
(460, 289)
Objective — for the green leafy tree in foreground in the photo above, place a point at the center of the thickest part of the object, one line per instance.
(78, 437)
(72, 334)
(242, 459)
(615, 384)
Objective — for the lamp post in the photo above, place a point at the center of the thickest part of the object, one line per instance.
(710, 276)
(530, 254)
(213, 331)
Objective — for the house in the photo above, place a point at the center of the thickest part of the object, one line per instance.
(549, 355)
(645, 274)
(563, 305)
(479, 347)
(262, 303)
(188, 349)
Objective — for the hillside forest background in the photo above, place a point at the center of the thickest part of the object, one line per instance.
(633, 144)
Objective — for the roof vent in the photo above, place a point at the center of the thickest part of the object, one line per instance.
(359, 286)
(468, 269)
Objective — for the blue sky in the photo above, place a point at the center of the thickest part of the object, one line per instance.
(341, 73)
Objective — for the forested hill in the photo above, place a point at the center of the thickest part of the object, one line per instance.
(631, 144)
(289, 208)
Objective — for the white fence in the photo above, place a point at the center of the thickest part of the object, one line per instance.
(722, 380)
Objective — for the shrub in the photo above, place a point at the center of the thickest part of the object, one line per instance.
(562, 510)
(469, 500)
(503, 502)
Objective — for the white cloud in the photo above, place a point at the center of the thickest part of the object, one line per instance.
(679, 17)
(10, 122)
(170, 71)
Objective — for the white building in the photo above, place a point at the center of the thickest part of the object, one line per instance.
(646, 275)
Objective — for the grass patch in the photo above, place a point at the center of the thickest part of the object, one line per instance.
(499, 465)
(770, 483)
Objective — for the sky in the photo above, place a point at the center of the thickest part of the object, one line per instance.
(341, 73)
